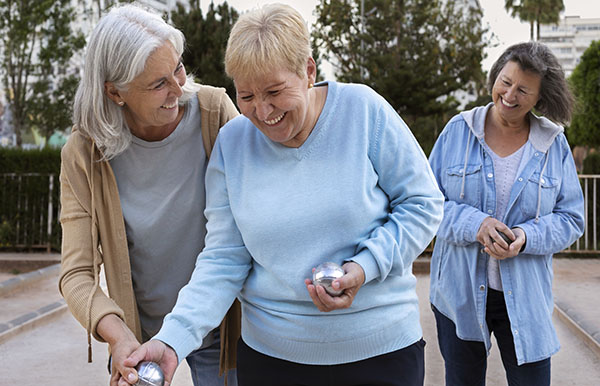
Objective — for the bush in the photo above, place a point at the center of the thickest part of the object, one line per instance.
(30, 161)
(591, 164)
(29, 196)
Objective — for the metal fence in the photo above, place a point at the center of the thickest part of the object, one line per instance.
(29, 211)
(588, 243)
(30, 207)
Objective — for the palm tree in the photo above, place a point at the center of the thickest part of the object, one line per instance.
(535, 12)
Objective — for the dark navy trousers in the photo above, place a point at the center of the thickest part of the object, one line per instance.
(466, 361)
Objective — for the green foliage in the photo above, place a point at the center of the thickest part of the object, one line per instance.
(36, 45)
(29, 194)
(29, 161)
(591, 164)
(585, 82)
(415, 53)
(535, 12)
(206, 39)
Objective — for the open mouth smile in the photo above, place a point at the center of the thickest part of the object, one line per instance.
(275, 120)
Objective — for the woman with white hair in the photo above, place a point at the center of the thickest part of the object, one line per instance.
(132, 189)
(311, 173)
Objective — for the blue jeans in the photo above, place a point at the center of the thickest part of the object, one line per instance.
(466, 361)
(204, 363)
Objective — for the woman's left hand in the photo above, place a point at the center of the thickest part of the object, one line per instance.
(497, 252)
(350, 283)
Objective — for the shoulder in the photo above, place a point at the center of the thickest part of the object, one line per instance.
(456, 126)
(359, 94)
(78, 146)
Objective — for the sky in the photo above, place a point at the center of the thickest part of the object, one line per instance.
(507, 30)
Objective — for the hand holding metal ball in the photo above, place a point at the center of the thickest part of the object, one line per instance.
(325, 274)
(149, 374)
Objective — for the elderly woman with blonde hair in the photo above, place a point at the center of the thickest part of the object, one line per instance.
(311, 173)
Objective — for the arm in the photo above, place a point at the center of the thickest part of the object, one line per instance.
(414, 198)
(220, 271)
(565, 224)
(461, 222)
(80, 260)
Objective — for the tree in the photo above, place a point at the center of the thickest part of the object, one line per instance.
(535, 12)
(36, 45)
(585, 82)
(415, 53)
(206, 39)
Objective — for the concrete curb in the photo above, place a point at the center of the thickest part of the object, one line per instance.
(23, 280)
(571, 321)
(30, 320)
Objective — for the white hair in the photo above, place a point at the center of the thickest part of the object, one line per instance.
(117, 52)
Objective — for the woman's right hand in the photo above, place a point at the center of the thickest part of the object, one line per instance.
(154, 351)
(489, 237)
(122, 343)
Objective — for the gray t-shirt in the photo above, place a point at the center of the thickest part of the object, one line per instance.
(161, 187)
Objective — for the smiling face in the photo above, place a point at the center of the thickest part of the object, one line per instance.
(515, 93)
(151, 99)
(279, 104)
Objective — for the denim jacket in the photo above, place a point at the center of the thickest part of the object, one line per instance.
(546, 201)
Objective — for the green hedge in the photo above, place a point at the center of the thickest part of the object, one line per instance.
(29, 194)
(30, 161)
(591, 164)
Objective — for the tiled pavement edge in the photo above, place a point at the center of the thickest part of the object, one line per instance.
(29, 318)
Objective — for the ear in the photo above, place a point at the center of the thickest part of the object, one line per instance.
(113, 93)
(311, 70)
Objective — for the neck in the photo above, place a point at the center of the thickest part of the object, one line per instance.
(506, 126)
(154, 133)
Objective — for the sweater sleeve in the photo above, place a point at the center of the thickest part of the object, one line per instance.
(78, 276)
(414, 198)
(220, 271)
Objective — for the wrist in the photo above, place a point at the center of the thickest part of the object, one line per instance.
(114, 330)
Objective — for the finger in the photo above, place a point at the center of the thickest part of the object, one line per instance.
(114, 378)
(325, 300)
(136, 356)
(312, 292)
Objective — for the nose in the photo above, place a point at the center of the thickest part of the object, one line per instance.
(510, 93)
(177, 87)
(262, 109)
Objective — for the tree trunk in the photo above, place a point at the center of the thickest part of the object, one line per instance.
(531, 29)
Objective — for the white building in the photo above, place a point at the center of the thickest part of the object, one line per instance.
(569, 39)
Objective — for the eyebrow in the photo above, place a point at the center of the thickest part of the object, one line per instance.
(161, 79)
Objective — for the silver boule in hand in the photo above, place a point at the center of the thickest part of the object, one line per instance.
(149, 374)
(325, 274)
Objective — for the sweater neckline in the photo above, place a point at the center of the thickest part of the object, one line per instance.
(305, 149)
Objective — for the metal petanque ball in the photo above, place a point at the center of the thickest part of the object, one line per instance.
(149, 374)
(325, 274)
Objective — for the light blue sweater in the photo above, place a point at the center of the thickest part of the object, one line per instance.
(359, 188)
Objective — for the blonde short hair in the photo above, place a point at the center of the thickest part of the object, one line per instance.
(274, 36)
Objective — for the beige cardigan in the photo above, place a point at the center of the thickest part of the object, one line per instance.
(94, 232)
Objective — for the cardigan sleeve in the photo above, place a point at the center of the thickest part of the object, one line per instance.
(79, 273)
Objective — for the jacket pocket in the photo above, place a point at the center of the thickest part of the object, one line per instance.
(529, 195)
(452, 184)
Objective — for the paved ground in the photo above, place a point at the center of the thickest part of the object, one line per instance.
(52, 350)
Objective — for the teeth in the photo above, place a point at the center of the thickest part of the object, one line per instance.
(274, 120)
(507, 104)
(169, 106)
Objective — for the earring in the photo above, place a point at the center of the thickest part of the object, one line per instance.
(121, 103)
(310, 85)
